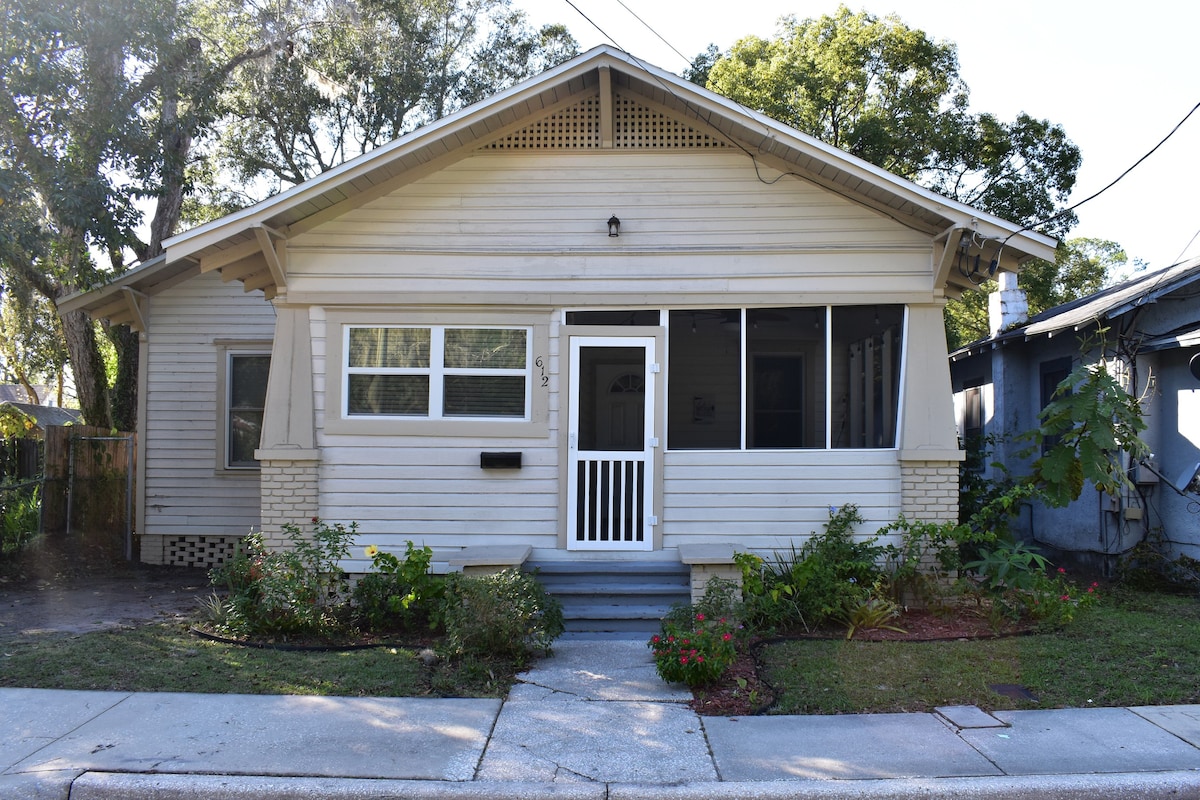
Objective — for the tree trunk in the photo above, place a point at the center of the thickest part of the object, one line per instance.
(91, 380)
(124, 395)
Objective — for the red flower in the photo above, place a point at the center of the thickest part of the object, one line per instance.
(655, 639)
(683, 659)
(700, 659)
(1065, 597)
(700, 617)
(315, 520)
(1062, 571)
(726, 637)
(1091, 589)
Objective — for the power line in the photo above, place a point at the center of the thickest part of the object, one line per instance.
(1113, 183)
(656, 33)
(594, 25)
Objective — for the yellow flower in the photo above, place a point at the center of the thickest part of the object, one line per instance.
(371, 551)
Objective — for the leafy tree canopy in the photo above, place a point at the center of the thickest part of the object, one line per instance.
(183, 103)
(893, 96)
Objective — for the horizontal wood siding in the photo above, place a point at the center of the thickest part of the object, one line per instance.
(689, 222)
(184, 492)
(759, 500)
(431, 490)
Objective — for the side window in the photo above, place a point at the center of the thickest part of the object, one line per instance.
(1052, 374)
(245, 400)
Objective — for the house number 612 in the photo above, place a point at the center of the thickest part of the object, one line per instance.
(540, 363)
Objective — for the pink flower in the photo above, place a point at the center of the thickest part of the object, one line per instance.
(1065, 597)
(700, 659)
(1091, 590)
(700, 617)
(683, 659)
(1062, 571)
(727, 637)
(656, 639)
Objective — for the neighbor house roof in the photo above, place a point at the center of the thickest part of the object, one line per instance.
(46, 416)
(1104, 305)
(248, 237)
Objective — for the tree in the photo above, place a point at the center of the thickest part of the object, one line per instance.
(1081, 267)
(31, 341)
(103, 104)
(893, 96)
(368, 72)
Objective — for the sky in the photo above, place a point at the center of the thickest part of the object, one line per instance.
(1118, 77)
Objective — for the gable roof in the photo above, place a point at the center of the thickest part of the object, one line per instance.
(1102, 306)
(243, 244)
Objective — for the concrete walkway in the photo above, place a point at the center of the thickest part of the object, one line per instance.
(593, 722)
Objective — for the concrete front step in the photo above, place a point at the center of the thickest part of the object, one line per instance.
(616, 596)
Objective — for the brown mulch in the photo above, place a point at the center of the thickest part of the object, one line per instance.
(741, 692)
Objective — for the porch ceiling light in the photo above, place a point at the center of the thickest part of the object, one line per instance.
(614, 226)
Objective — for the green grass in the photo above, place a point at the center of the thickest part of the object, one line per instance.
(168, 658)
(1132, 649)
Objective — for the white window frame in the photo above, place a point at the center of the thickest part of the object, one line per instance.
(437, 373)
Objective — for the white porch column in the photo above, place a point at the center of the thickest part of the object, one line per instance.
(287, 450)
(928, 439)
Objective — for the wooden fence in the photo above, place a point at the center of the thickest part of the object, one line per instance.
(88, 493)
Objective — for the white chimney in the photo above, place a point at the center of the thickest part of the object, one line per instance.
(1008, 305)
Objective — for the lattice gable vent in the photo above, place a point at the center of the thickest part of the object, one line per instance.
(635, 126)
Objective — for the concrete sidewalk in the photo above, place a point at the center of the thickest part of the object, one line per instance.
(592, 722)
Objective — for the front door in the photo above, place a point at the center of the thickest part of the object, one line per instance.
(610, 450)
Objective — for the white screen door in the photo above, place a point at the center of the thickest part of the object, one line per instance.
(610, 460)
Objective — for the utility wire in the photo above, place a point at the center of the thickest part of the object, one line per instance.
(1113, 183)
(648, 27)
(594, 25)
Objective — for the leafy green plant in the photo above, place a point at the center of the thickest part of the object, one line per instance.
(505, 615)
(810, 587)
(20, 511)
(870, 610)
(1011, 565)
(694, 648)
(291, 591)
(928, 561)
(401, 591)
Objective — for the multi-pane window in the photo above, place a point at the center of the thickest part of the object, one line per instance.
(437, 372)
(245, 399)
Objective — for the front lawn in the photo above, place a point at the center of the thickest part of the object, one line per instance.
(165, 657)
(1133, 648)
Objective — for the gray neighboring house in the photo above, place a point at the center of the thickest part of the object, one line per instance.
(1152, 344)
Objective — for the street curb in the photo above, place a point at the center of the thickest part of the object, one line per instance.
(1177, 785)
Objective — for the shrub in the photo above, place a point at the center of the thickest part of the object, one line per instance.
(811, 588)
(694, 648)
(400, 592)
(20, 514)
(506, 615)
(929, 559)
(293, 591)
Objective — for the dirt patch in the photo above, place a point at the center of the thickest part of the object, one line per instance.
(46, 593)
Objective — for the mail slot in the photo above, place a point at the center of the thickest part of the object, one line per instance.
(499, 460)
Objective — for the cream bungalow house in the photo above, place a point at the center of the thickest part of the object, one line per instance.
(605, 314)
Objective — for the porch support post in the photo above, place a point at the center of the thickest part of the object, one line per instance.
(928, 439)
(287, 454)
